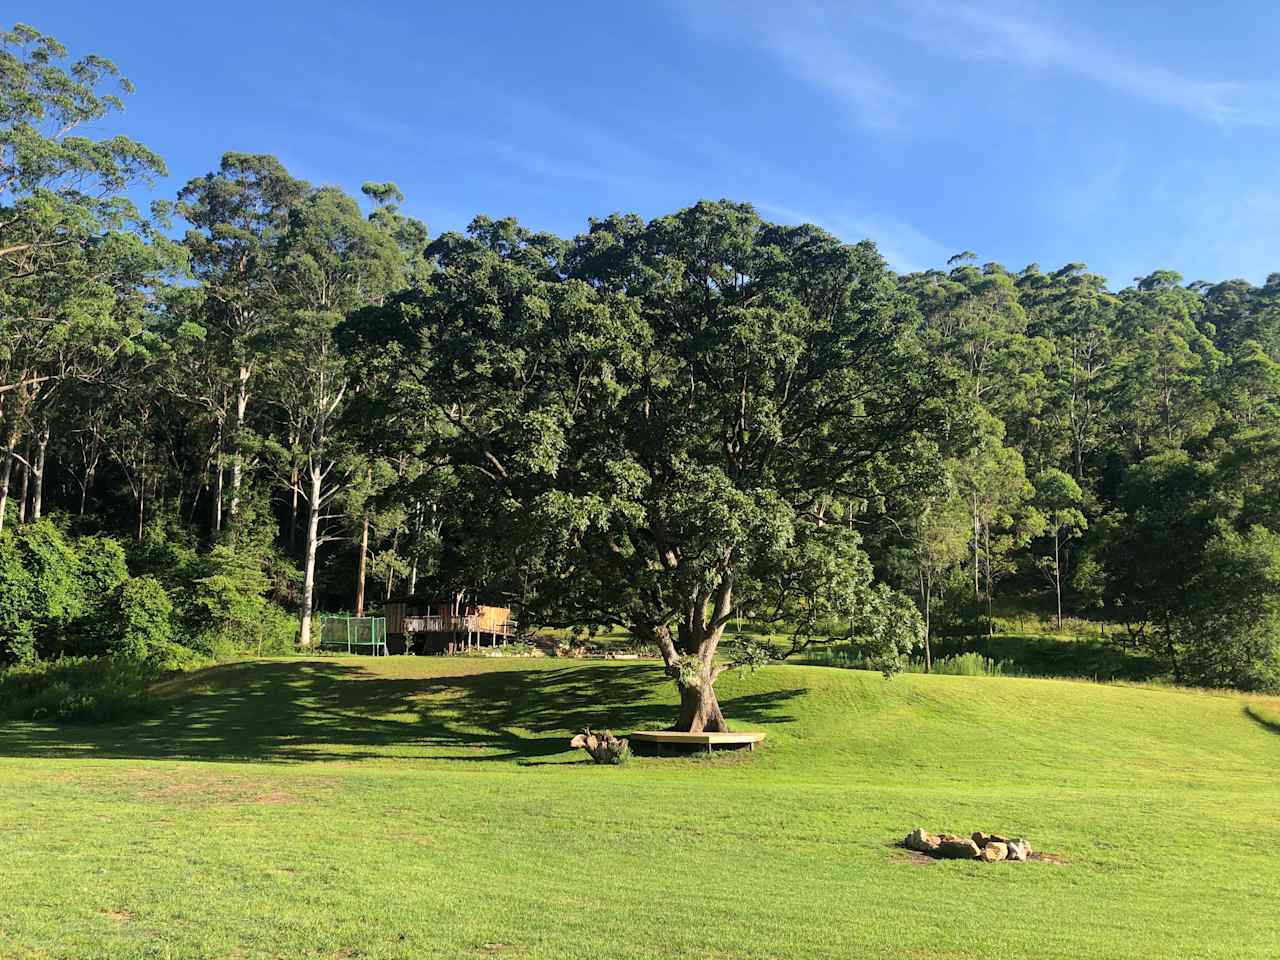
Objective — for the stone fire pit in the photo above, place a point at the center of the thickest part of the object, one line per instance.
(987, 847)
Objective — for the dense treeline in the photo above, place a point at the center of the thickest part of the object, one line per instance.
(264, 395)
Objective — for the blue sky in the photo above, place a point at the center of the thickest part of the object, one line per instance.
(1128, 135)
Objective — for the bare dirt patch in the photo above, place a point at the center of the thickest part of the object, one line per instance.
(418, 838)
(906, 856)
(120, 916)
(220, 790)
(1049, 858)
(917, 859)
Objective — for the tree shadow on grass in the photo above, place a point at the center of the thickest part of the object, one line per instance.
(1262, 720)
(309, 710)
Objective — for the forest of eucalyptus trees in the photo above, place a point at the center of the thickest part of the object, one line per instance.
(262, 397)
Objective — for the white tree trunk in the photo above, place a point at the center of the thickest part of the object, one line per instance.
(237, 457)
(309, 568)
(362, 568)
(37, 494)
(24, 485)
(6, 473)
(1057, 576)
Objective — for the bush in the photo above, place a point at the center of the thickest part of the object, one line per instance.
(230, 609)
(141, 618)
(100, 566)
(54, 592)
(40, 591)
(1229, 635)
(63, 597)
(75, 690)
(100, 569)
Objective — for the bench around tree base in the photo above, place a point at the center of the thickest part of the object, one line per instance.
(664, 741)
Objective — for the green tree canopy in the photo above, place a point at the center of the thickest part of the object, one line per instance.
(670, 422)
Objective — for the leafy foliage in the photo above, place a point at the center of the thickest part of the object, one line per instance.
(142, 616)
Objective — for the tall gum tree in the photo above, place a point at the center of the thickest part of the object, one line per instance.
(74, 255)
(332, 262)
(238, 215)
(665, 425)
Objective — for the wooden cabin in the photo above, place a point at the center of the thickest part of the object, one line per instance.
(432, 625)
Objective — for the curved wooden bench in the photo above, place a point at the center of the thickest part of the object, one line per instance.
(668, 739)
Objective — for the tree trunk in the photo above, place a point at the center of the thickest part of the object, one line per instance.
(699, 709)
(691, 662)
(977, 527)
(986, 539)
(928, 626)
(37, 494)
(363, 565)
(6, 473)
(415, 546)
(391, 567)
(294, 488)
(309, 568)
(237, 456)
(1057, 576)
(142, 508)
(216, 505)
(24, 485)
(1172, 650)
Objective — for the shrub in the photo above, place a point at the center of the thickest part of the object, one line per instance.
(1229, 635)
(230, 612)
(75, 690)
(100, 569)
(100, 566)
(141, 618)
(40, 591)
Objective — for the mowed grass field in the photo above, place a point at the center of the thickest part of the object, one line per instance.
(429, 807)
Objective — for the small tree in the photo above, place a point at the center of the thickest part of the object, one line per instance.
(1058, 498)
(938, 541)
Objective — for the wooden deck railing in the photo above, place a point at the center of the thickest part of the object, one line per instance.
(435, 623)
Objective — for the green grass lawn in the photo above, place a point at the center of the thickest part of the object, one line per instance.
(429, 807)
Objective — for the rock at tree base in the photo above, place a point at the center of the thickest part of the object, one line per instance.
(603, 747)
(994, 852)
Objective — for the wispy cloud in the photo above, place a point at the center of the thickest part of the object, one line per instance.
(1026, 38)
(906, 248)
(814, 45)
(833, 46)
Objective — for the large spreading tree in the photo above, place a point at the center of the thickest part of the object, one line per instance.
(661, 426)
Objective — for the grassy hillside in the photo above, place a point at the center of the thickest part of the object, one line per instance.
(427, 807)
